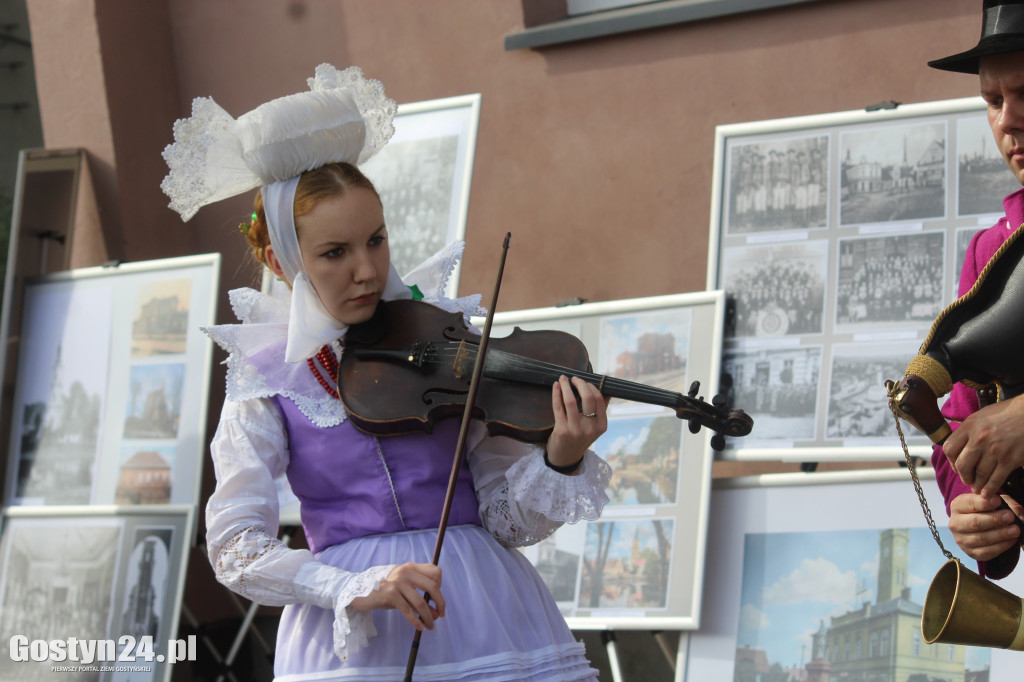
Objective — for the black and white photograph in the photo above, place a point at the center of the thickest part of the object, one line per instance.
(146, 582)
(776, 289)
(643, 453)
(778, 185)
(650, 348)
(983, 178)
(778, 388)
(153, 409)
(857, 404)
(627, 563)
(58, 581)
(160, 326)
(422, 176)
(893, 173)
(61, 389)
(963, 237)
(891, 280)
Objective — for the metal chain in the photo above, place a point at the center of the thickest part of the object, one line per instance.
(917, 482)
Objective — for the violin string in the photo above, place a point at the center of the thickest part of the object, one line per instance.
(546, 371)
(540, 369)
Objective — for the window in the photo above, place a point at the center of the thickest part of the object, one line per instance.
(552, 23)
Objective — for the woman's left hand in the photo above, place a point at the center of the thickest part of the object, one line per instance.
(577, 425)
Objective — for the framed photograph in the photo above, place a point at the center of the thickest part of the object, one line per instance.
(103, 584)
(640, 566)
(831, 235)
(423, 175)
(111, 391)
(807, 580)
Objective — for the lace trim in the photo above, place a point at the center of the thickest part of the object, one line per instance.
(241, 550)
(566, 499)
(354, 628)
(215, 156)
(539, 500)
(391, 483)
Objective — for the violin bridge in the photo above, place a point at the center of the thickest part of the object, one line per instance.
(462, 368)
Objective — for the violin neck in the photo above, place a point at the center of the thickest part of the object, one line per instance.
(510, 367)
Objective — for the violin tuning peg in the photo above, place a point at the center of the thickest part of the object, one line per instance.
(694, 426)
(719, 401)
(694, 387)
(718, 442)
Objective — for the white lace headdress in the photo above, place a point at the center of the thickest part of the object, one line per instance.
(343, 118)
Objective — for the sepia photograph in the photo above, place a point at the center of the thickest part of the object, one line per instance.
(893, 173)
(778, 185)
(626, 564)
(153, 409)
(643, 453)
(160, 324)
(61, 387)
(146, 475)
(891, 281)
(778, 388)
(651, 348)
(857, 403)
(58, 580)
(983, 178)
(775, 289)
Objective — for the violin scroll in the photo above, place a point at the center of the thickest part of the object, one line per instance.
(734, 423)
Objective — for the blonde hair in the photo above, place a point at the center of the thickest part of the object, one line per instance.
(330, 180)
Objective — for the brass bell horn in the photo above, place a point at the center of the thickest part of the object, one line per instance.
(961, 607)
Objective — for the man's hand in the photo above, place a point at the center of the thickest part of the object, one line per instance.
(988, 446)
(980, 528)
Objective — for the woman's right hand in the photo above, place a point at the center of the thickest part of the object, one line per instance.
(404, 589)
(980, 528)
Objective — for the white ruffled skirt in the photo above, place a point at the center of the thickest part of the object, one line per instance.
(501, 623)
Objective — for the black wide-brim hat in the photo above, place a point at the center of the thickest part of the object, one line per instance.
(1002, 31)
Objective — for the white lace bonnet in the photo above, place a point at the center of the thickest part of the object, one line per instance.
(342, 118)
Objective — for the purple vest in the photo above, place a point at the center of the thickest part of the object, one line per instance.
(351, 484)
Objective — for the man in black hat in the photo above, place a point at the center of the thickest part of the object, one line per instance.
(989, 443)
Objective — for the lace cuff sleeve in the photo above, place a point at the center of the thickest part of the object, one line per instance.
(335, 589)
(522, 501)
(566, 499)
(249, 450)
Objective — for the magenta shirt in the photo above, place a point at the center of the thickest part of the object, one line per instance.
(963, 400)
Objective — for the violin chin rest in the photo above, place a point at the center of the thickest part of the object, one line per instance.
(369, 332)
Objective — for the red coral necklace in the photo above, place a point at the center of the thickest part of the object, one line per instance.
(330, 364)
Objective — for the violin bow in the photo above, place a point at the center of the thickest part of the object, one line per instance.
(460, 446)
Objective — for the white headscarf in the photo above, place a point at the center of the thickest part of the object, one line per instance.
(310, 326)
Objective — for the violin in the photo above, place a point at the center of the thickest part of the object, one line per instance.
(411, 364)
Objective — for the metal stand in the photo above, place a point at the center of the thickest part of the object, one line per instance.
(608, 638)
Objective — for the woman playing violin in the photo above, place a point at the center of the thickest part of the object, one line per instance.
(370, 505)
